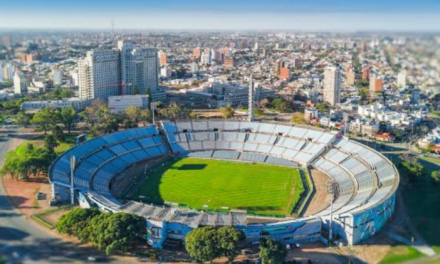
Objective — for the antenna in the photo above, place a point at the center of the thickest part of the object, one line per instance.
(113, 28)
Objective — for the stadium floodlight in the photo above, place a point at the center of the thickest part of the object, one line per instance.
(72, 168)
(153, 107)
(332, 189)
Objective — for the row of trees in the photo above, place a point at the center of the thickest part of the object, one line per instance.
(47, 118)
(208, 243)
(118, 232)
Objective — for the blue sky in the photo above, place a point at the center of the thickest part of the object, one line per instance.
(339, 15)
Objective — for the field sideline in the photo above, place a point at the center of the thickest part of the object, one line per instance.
(217, 185)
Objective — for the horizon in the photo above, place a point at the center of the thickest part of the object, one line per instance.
(227, 15)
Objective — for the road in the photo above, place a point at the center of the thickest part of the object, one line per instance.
(24, 242)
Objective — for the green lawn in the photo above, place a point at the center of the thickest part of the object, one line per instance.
(215, 185)
(399, 254)
(39, 142)
(422, 200)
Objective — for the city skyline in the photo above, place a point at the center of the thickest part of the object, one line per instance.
(316, 15)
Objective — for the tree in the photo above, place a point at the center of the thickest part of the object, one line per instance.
(272, 252)
(87, 115)
(133, 113)
(435, 177)
(174, 110)
(298, 118)
(398, 133)
(323, 107)
(145, 116)
(22, 118)
(413, 167)
(108, 121)
(74, 223)
(285, 107)
(202, 244)
(228, 242)
(50, 143)
(45, 118)
(68, 117)
(58, 133)
(281, 105)
(258, 111)
(135, 90)
(115, 232)
(227, 112)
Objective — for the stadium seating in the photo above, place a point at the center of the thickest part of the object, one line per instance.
(363, 176)
(100, 159)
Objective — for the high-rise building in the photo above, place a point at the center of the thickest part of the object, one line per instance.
(99, 74)
(376, 84)
(206, 58)
(8, 72)
(2, 79)
(194, 67)
(401, 79)
(278, 65)
(297, 62)
(57, 76)
(197, 52)
(332, 85)
(163, 58)
(365, 73)
(20, 83)
(139, 68)
(284, 73)
(350, 77)
(256, 46)
(228, 62)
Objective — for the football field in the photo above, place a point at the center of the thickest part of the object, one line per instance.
(222, 185)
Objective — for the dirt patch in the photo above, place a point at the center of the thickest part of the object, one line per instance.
(373, 250)
(22, 194)
(316, 253)
(321, 198)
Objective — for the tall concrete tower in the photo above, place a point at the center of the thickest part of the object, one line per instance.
(251, 99)
(332, 85)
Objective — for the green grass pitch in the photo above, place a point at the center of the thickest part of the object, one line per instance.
(214, 185)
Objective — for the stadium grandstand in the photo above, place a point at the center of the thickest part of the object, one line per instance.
(365, 180)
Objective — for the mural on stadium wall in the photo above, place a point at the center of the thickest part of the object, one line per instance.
(369, 222)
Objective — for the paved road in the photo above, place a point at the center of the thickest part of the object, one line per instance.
(24, 242)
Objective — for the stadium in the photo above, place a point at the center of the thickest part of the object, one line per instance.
(266, 179)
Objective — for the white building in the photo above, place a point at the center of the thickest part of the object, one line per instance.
(122, 102)
(74, 78)
(139, 68)
(20, 83)
(99, 74)
(332, 85)
(57, 76)
(77, 103)
(105, 73)
(401, 79)
(206, 58)
(194, 67)
(165, 72)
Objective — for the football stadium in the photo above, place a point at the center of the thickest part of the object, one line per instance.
(288, 183)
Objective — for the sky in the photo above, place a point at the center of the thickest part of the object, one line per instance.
(305, 15)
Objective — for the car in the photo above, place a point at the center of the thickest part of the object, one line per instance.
(53, 202)
(40, 196)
